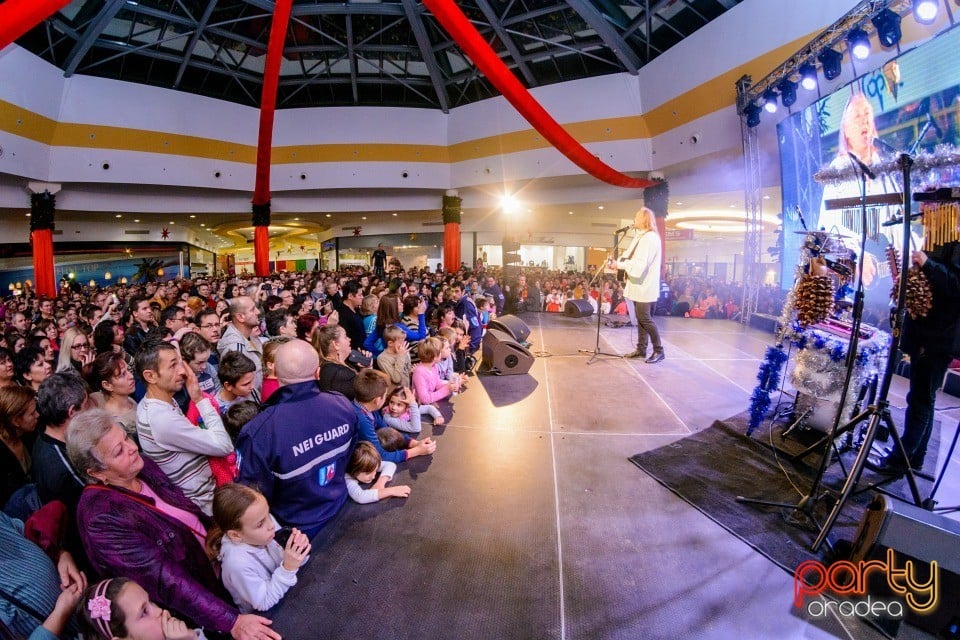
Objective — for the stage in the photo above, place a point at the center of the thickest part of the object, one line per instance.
(530, 522)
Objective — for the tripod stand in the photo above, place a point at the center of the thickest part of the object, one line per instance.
(597, 277)
(880, 410)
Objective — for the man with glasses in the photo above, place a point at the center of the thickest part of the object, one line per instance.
(208, 326)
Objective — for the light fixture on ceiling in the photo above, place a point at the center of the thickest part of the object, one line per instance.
(193, 216)
(859, 43)
(887, 24)
(925, 11)
(808, 76)
(770, 101)
(830, 59)
(788, 92)
(119, 215)
(509, 203)
(752, 112)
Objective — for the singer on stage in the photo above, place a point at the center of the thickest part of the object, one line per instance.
(641, 262)
(931, 342)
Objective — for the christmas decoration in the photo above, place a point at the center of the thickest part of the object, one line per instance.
(356, 231)
(657, 197)
(165, 233)
(919, 298)
(814, 299)
(929, 168)
(451, 209)
(42, 207)
(769, 377)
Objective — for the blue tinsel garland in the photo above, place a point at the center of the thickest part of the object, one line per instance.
(769, 377)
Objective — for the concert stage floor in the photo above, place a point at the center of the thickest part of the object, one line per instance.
(529, 522)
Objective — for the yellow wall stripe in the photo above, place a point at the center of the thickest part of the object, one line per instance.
(713, 95)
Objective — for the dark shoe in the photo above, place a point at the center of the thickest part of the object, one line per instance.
(637, 353)
(891, 465)
(656, 357)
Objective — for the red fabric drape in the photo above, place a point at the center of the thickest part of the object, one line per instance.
(465, 34)
(44, 282)
(261, 251)
(19, 16)
(451, 247)
(268, 104)
(268, 99)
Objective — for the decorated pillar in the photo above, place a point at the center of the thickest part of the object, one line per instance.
(42, 208)
(451, 230)
(657, 199)
(268, 104)
(19, 16)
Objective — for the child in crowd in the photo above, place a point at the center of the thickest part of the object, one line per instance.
(255, 569)
(395, 359)
(403, 413)
(270, 382)
(370, 389)
(364, 465)
(236, 373)
(426, 377)
(196, 351)
(120, 609)
(446, 365)
(391, 439)
(368, 313)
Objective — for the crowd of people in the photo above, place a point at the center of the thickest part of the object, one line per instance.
(143, 467)
(146, 488)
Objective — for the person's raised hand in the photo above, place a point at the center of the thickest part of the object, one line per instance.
(250, 626)
(174, 628)
(191, 384)
(918, 258)
(296, 551)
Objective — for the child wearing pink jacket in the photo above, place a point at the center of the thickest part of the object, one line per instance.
(427, 383)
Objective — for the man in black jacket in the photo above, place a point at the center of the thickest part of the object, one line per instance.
(931, 341)
(350, 320)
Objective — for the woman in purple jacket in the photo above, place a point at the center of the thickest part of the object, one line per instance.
(136, 523)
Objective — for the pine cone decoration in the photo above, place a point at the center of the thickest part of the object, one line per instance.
(814, 299)
(919, 298)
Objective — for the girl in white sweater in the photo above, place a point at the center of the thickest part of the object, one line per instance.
(255, 569)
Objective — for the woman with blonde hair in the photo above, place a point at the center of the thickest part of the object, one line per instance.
(75, 351)
(642, 261)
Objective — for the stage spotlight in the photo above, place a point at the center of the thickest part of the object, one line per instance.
(830, 59)
(925, 11)
(752, 112)
(859, 43)
(887, 24)
(788, 92)
(770, 101)
(808, 76)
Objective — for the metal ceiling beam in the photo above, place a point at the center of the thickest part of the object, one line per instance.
(353, 60)
(188, 52)
(415, 18)
(507, 41)
(532, 15)
(334, 9)
(90, 35)
(624, 52)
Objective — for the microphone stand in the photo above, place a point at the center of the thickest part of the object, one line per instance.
(598, 278)
(880, 410)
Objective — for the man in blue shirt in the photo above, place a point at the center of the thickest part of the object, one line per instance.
(466, 309)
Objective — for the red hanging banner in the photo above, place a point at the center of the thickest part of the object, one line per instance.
(466, 35)
(451, 247)
(43, 277)
(268, 99)
(19, 16)
(261, 251)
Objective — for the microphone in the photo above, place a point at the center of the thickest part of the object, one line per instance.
(894, 221)
(886, 147)
(624, 229)
(863, 167)
(803, 223)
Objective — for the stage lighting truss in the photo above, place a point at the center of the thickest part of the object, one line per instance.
(788, 92)
(887, 24)
(925, 11)
(830, 60)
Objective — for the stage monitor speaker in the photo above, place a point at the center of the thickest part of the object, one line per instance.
(578, 308)
(920, 536)
(511, 325)
(503, 353)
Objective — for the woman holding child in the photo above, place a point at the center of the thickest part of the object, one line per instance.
(135, 522)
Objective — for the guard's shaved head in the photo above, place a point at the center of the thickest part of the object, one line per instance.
(297, 361)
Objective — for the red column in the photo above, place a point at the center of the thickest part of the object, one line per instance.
(19, 16)
(268, 103)
(42, 207)
(451, 232)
